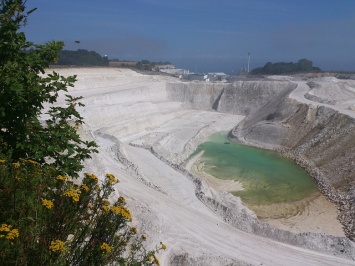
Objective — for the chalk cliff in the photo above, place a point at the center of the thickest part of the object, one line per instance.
(318, 138)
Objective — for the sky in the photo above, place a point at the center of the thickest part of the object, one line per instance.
(203, 35)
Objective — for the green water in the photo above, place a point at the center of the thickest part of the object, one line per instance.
(267, 177)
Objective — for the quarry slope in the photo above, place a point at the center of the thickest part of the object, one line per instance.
(148, 125)
(319, 135)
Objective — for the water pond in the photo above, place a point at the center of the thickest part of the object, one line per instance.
(267, 177)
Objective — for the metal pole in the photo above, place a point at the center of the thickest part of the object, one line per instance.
(248, 61)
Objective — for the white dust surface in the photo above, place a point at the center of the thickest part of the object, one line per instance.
(127, 113)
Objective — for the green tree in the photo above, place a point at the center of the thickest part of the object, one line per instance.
(81, 57)
(279, 68)
(305, 65)
(47, 216)
(23, 93)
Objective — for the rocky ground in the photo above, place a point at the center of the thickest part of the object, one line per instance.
(147, 126)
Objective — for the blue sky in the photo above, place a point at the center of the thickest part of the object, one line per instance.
(203, 35)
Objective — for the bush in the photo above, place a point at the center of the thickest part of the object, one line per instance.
(54, 220)
(48, 216)
(24, 92)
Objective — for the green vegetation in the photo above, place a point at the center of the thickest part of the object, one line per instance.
(81, 57)
(49, 216)
(150, 66)
(302, 66)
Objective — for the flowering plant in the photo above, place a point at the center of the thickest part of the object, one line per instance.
(51, 220)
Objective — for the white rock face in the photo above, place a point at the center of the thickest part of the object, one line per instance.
(146, 126)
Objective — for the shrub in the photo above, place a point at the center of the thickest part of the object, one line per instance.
(55, 220)
(47, 215)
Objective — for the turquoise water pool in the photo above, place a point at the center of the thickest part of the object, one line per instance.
(267, 177)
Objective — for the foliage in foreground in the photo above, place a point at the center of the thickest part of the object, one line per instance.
(53, 220)
(23, 94)
(47, 215)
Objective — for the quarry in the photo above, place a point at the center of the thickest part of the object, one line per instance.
(147, 127)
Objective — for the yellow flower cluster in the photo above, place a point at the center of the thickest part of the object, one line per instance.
(112, 179)
(124, 212)
(73, 193)
(11, 233)
(91, 176)
(153, 259)
(122, 199)
(61, 177)
(47, 203)
(16, 165)
(134, 230)
(57, 245)
(106, 206)
(163, 246)
(33, 162)
(2, 161)
(85, 187)
(106, 247)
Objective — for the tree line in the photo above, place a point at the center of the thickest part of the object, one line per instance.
(302, 66)
(150, 66)
(81, 57)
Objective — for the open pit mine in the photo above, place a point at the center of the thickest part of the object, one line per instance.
(147, 127)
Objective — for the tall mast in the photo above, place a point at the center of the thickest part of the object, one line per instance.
(248, 61)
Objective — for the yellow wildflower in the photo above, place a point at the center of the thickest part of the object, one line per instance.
(73, 193)
(61, 177)
(5, 228)
(47, 203)
(16, 165)
(122, 199)
(57, 245)
(85, 187)
(112, 179)
(2, 161)
(134, 230)
(156, 261)
(163, 246)
(91, 176)
(13, 234)
(33, 162)
(106, 248)
(124, 212)
(106, 208)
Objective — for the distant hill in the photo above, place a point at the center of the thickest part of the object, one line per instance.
(81, 57)
(302, 66)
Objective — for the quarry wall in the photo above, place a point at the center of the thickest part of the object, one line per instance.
(319, 139)
(242, 98)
